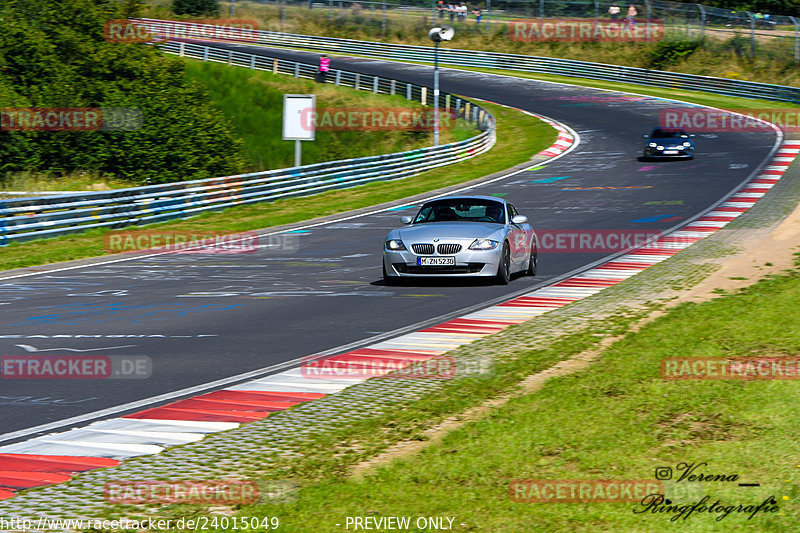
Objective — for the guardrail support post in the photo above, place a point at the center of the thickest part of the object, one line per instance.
(796, 40)
(383, 21)
(447, 103)
(408, 91)
(702, 11)
(182, 48)
(205, 53)
(752, 21)
(230, 57)
(466, 112)
(338, 77)
(297, 70)
(488, 10)
(358, 78)
(330, 10)
(274, 66)
(375, 84)
(423, 96)
(458, 105)
(252, 62)
(392, 85)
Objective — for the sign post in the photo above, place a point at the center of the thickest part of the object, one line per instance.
(298, 120)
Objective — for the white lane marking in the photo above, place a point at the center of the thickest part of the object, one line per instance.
(29, 348)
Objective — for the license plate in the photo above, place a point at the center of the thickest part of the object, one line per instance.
(436, 261)
(670, 151)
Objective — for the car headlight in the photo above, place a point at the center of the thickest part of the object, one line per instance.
(395, 245)
(652, 145)
(483, 244)
(659, 147)
(687, 143)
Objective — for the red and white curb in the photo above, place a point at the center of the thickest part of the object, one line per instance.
(55, 457)
(563, 142)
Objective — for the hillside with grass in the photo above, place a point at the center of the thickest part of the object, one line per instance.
(253, 102)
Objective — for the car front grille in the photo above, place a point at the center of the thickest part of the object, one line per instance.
(422, 249)
(446, 249)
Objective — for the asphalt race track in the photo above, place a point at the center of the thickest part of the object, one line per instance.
(202, 318)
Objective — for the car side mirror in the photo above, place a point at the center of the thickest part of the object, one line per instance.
(519, 219)
(406, 220)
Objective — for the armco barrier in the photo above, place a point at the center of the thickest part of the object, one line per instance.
(493, 60)
(50, 216)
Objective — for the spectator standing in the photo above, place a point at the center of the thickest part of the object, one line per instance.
(440, 9)
(631, 18)
(478, 16)
(451, 10)
(324, 67)
(462, 12)
(614, 11)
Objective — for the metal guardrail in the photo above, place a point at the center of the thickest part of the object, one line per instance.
(523, 63)
(50, 216)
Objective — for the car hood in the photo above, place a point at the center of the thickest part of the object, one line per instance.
(448, 231)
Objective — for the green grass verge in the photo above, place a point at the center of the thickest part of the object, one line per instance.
(617, 421)
(253, 102)
(519, 138)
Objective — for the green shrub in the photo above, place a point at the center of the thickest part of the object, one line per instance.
(669, 52)
(195, 7)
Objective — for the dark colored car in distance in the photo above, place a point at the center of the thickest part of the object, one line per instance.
(668, 143)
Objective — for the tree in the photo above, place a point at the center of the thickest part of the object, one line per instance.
(195, 7)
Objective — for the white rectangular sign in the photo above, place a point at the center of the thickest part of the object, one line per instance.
(298, 113)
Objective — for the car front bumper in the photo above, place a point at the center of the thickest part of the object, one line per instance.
(468, 263)
(652, 152)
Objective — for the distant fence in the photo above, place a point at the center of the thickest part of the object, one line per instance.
(42, 217)
(772, 35)
(494, 60)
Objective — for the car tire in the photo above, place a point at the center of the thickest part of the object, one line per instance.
(504, 267)
(532, 263)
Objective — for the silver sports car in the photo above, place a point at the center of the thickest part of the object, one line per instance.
(461, 236)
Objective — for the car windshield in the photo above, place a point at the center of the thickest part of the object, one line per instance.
(461, 210)
(668, 134)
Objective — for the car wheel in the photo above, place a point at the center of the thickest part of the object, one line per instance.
(504, 268)
(532, 263)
